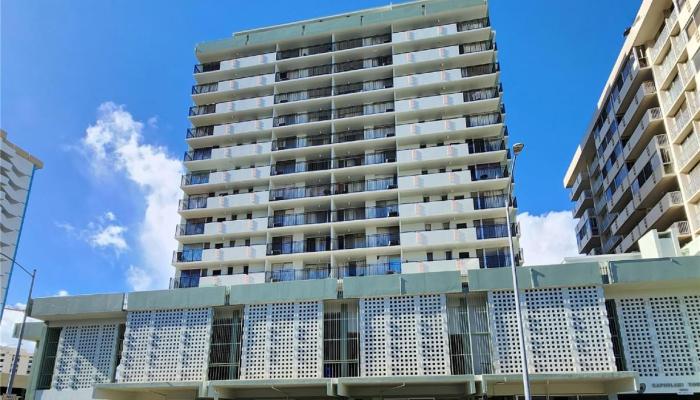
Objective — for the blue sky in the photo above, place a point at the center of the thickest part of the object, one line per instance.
(62, 60)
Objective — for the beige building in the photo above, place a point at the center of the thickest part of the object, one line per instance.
(7, 355)
(637, 167)
(17, 169)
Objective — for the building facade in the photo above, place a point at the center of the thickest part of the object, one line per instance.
(17, 169)
(636, 168)
(597, 327)
(360, 144)
(7, 357)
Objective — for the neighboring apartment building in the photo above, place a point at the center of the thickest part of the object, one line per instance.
(367, 143)
(17, 169)
(596, 327)
(637, 167)
(7, 356)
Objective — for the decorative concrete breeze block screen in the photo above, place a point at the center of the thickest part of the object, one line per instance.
(566, 330)
(282, 341)
(165, 346)
(404, 335)
(85, 355)
(661, 335)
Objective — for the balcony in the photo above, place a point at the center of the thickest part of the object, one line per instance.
(236, 63)
(369, 185)
(449, 126)
(584, 201)
(303, 274)
(651, 118)
(364, 269)
(350, 88)
(353, 241)
(447, 100)
(313, 217)
(450, 179)
(333, 46)
(326, 69)
(453, 207)
(439, 154)
(233, 201)
(462, 265)
(309, 245)
(689, 150)
(448, 75)
(662, 39)
(439, 31)
(232, 280)
(216, 157)
(441, 53)
(691, 182)
(441, 238)
(653, 218)
(365, 213)
(236, 128)
(338, 113)
(221, 89)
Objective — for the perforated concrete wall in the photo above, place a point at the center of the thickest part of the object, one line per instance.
(282, 341)
(85, 355)
(566, 330)
(165, 346)
(661, 335)
(404, 335)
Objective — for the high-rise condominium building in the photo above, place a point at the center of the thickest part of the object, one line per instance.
(637, 167)
(361, 144)
(17, 169)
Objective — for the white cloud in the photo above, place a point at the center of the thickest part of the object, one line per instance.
(115, 143)
(547, 238)
(110, 236)
(109, 216)
(10, 317)
(153, 122)
(62, 293)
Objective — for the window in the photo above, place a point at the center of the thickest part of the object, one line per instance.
(448, 255)
(429, 256)
(463, 254)
(216, 272)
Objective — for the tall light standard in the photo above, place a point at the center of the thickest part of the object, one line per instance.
(517, 148)
(15, 361)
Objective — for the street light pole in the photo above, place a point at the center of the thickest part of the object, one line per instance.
(15, 361)
(517, 148)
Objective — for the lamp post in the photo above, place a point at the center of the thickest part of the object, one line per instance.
(517, 148)
(15, 361)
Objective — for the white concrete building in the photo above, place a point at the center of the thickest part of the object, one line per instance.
(638, 165)
(347, 147)
(7, 356)
(17, 169)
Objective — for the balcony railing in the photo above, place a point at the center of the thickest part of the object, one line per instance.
(495, 201)
(190, 255)
(361, 213)
(190, 228)
(333, 68)
(480, 173)
(202, 110)
(369, 185)
(207, 67)
(343, 112)
(494, 261)
(310, 245)
(349, 242)
(194, 179)
(334, 46)
(314, 217)
(194, 202)
(483, 69)
(495, 231)
(334, 90)
(473, 24)
(364, 269)
(197, 155)
(328, 138)
(205, 88)
(285, 275)
(200, 131)
(484, 119)
(282, 168)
